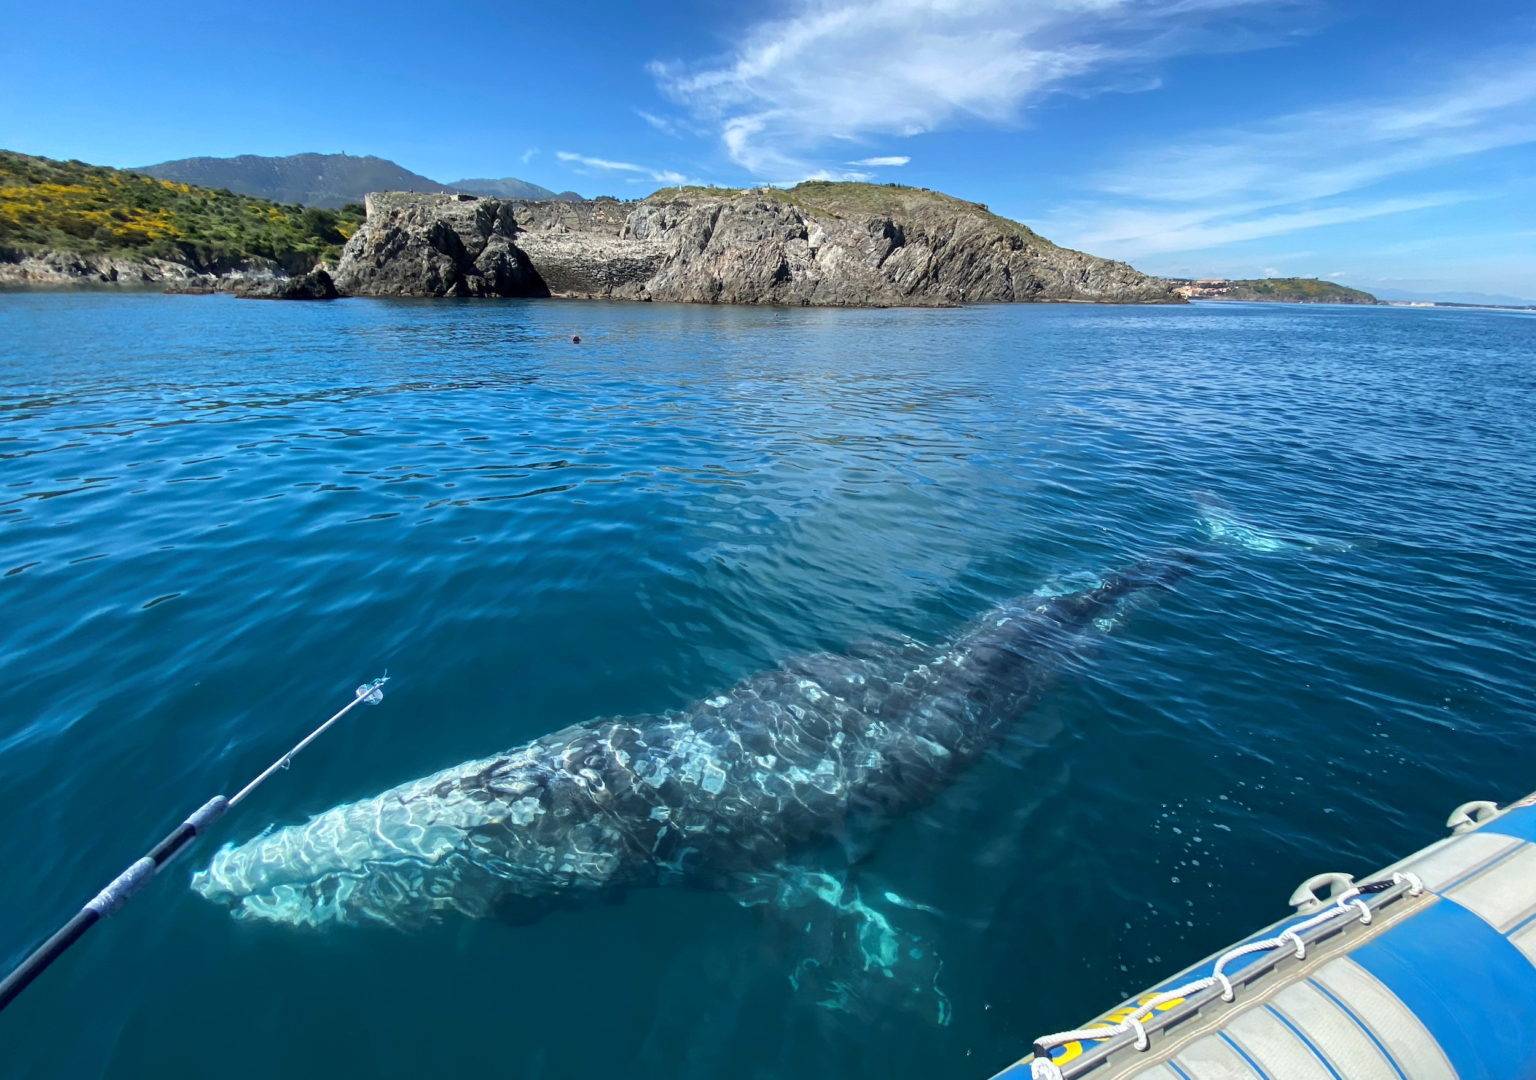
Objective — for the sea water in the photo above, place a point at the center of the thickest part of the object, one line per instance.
(217, 517)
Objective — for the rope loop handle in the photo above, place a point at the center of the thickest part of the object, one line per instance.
(1295, 938)
(1347, 904)
(1227, 993)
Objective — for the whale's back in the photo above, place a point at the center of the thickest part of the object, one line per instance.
(727, 787)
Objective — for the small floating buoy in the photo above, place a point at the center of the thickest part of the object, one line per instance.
(575, 339)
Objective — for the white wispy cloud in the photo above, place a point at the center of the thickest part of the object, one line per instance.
(529, 154)
(1136, 232)
(661, 176)
(885, 162)
(854, 69)
(664, 124)
(1303, 170)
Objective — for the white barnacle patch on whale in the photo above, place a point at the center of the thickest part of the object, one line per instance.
(653, 773)
(524, 810)
(1077, 581)
(713, 778)
(938, 750)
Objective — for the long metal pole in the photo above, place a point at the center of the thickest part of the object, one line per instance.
(121, 888)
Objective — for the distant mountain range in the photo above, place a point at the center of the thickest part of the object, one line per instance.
(510, 187)
(1453, 297)
(329, 180)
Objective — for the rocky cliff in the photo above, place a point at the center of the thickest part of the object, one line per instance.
(436, 245)
(819, 243)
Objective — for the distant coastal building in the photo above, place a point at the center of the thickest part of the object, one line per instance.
(1204, 289)
(1290, 290)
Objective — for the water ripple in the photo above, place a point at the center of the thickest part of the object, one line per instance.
(218, 517)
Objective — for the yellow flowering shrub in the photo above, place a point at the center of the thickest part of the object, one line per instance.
(90, 209)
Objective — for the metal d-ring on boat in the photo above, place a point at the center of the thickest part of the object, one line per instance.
(122, 888)
(1427, 971)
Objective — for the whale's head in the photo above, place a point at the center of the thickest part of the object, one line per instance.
(499, 836)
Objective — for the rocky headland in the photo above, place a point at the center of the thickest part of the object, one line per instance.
(825, 244)
(1290, 290)
(66, 223)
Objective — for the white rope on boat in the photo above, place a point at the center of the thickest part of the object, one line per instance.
(1347, 903)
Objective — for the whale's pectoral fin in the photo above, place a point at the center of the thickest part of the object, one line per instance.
(857, 951)
(1221, 526)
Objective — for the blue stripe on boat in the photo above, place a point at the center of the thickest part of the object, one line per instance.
(1520, 823)
(1361, 1024)
(1471, 989)
(1254, 1065)
(1478, 870)
(1296, 1031)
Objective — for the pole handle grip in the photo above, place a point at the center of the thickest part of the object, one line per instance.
(45, 954)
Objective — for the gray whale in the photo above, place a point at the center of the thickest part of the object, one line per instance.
(728, 793)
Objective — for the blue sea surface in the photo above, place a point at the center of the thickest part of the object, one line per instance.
(217, 517)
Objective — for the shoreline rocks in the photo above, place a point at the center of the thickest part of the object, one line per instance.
(315, 285)
(65, 269)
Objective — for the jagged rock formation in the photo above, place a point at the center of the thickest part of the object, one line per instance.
(436, 245)
(818, 243)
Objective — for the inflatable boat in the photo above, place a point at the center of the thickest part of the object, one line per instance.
(1424, 971)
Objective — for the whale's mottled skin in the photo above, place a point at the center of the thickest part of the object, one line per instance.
(720, 794)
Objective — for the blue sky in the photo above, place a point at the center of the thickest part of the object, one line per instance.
(1387, 145)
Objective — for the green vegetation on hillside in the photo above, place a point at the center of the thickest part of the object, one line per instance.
(1299, 290)
(48, 205)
